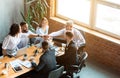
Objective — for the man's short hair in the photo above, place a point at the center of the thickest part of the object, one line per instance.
(45, 45)
(22, 23)
(69, 22)
(69, 34)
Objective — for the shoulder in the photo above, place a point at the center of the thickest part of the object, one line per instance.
(51, 52)
(8, 37)
(75, 30)
(73, 45)
(30, 32)
(43, 57)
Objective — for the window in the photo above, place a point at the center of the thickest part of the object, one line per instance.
(100, 15)
(75, 9)
(108, 19)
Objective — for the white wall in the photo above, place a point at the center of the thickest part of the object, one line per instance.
(9, 13)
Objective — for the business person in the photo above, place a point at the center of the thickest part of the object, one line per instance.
(69, 27)
(11, 41)
(70, 56)
(25, 40)
(42, 29)
(47, 63)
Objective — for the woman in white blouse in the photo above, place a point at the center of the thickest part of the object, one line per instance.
(42, 29)
(11, 40)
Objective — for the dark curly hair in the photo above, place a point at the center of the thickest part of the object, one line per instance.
(14, 29)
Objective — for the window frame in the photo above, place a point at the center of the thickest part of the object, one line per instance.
(92, 20)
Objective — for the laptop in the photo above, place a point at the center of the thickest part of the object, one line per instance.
(21, 51)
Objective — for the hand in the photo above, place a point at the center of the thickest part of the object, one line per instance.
(46, 37)
(33, 63)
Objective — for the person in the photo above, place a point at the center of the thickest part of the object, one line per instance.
(47, 63)
(78, 37)
(25, 40)
(70, 56)
(42, 29)
(11, 41)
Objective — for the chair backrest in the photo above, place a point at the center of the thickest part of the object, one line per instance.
(57, 73)
(83, 59)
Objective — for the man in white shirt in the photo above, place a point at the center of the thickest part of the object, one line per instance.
(78, 37)
(25, 40)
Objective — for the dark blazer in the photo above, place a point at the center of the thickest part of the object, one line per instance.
(47, 62)
(70, 56)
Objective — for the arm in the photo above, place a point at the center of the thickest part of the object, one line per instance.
(32, 35)
(4, 52)
(57, 33)
(24, 35)
(5, 44)
(39, 66)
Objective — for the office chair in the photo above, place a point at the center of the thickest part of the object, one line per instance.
(1, 49)
(57, 73)
(75, 69)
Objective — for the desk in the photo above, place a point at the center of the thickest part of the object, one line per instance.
(11, 72)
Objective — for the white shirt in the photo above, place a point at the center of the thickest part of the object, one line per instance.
(40, 31)
(78, 37)
(24, 39)
(11, 42)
